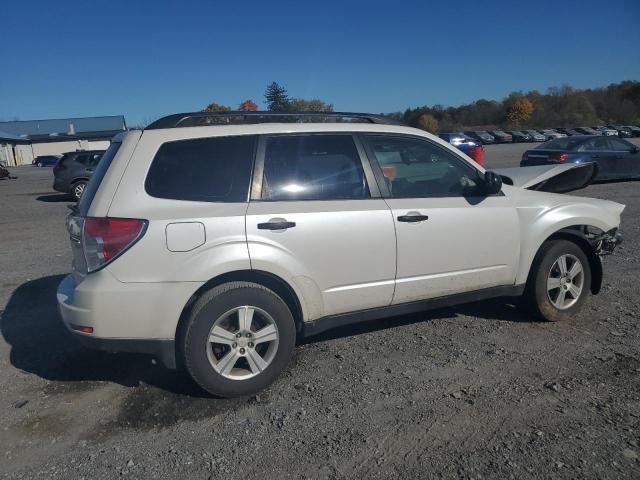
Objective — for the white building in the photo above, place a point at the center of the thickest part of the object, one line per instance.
(22, 141)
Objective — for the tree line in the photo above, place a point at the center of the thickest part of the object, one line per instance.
(277, 100)
(618, 103)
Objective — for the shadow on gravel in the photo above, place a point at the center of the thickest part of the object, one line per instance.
(55, 198)
(41, 345)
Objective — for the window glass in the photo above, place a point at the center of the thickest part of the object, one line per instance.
(96, 179)
(312, 167)
(214, 169)
(82, 158)
(94, 159)
(619, 145)
(418, 168)
(594, 145)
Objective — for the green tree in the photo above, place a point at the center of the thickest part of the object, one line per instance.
(314, 105)
(428, 122)
(276, 98)
(216, 107)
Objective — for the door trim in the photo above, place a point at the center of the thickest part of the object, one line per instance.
(334, 321)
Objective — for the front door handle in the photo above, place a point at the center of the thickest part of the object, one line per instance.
(413, 217)
(276, 225)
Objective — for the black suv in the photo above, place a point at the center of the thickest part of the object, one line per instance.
(74, 170)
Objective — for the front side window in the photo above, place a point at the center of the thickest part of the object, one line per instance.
(216, 169)
(414, 168)
(312, 167)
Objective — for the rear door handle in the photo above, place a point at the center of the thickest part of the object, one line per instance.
(276, 225)
(413, 217)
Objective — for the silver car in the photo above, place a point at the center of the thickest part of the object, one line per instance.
(217, 240)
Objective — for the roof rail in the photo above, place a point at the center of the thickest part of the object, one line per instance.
(198, 119)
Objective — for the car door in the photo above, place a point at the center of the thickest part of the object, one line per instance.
(627, 158)
(317, 220)
(598, 150)
(450, 239)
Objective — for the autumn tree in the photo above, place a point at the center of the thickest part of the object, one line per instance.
(519, 110)
(216, 107)
(248, 106)
(276, 98)
(428, 122)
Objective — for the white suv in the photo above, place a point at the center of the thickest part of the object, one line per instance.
(214, 241)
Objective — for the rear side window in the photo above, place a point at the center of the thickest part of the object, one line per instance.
(312, 167)
(96, 178)
(214, 169)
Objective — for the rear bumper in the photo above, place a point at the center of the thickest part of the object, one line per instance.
(61, 186)
(124, 317)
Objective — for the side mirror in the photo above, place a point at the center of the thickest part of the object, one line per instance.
(492, 183)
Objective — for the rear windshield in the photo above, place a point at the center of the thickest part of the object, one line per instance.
(566, 143)
(96, 179)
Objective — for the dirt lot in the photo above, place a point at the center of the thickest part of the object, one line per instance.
(478, 391)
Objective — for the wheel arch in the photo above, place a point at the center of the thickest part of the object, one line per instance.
(266, 279)
(575, 234)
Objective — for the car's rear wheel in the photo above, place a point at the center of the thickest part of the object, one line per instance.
(78, 189)
(39, 164)
(559, 281)
(238, 338)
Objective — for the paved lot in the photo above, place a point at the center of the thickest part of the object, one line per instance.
(478, 391)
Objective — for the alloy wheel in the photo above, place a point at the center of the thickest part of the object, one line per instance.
(242, 342)
(565, 281)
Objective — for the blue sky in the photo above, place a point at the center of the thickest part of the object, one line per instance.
(146, 59)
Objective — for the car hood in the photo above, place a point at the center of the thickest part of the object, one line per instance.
(550, 178)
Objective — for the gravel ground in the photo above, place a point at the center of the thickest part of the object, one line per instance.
(477, 391)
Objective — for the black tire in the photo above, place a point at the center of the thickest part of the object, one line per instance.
(75, 189)
(211, 306)
(537, 296)
(39, 164)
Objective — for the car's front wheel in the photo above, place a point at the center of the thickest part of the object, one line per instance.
(238, 337)
(559, 281)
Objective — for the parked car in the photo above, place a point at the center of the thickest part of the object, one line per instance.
(623, 132)
(635, 131)
(535, 135)
(45, 160)
(501, 137)
(606, 132)
(551, 134)
(587, 131)
(224, 244)
(570, 132)
(471, 147)
(519, 137)
(485, 137)
(73, 171)
(616, 158)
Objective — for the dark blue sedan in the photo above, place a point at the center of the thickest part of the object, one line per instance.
(615, 157)
(46, 160)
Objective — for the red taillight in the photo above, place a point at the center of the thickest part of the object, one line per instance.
(106, 238)
(80, 328)
(559, 157)
(477, 154)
